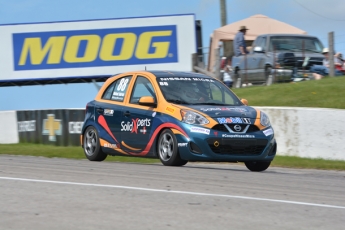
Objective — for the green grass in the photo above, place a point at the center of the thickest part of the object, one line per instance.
(325, 93)
(77, 153)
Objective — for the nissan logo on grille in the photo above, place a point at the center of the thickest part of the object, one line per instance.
(237, 128)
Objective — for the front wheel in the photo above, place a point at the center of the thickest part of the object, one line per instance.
(257, 166)
(92, 147)
(167, 149)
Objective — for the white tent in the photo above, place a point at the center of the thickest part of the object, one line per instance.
(257, 25)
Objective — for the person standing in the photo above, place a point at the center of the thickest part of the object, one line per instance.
(239, 43)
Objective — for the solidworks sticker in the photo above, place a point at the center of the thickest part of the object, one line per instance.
(268, 132)
(199, 130)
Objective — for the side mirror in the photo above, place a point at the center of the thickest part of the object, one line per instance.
(258, 49)
(244, 101)
(147, 100)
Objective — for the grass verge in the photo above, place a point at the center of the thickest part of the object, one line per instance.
(325, 93)
(77, 153)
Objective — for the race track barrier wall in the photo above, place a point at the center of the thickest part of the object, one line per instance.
(8, 127)
(302, 132)
(308, 132)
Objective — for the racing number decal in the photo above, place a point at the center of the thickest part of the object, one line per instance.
(123, 84)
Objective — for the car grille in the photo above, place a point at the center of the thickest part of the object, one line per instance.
(243, 147)
(222, 128)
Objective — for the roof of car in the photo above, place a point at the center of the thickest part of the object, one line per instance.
(167, 73)
(160, 73)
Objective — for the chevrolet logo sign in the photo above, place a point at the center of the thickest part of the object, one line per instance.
(52, 127)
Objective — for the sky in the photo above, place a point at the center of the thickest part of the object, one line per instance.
(317, 17)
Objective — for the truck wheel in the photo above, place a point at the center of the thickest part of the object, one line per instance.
(237, 81)
(269, 76)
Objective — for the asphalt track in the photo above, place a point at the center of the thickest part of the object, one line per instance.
(41, 193)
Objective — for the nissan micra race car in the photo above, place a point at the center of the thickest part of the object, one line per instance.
(176, 117)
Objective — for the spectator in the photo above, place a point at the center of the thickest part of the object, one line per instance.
(320, 71)
(227, 79)
(340, 65)
(240, 47)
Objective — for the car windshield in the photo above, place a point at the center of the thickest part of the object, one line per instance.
(289, 43)
(194, 91)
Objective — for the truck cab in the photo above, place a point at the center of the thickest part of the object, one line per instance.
(278, 58)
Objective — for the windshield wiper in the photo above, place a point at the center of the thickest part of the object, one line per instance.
(315, 51)
(176, 101)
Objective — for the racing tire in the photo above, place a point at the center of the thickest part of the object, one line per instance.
(257, 166)
(91, 145)
(237, 81)
(167, 149)
(269, 78)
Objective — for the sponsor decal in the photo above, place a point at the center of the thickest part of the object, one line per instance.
(143, 130)
(96, 47)
(268, 132)
(163, 83)
(241, 110)
(108, 145)
(170, 110)
(182, 144)
(184, 79)
(135, 125)
(199, 130)
(75, 127)
(154, 114)
(52, 127)
(108, 112)
(237, 136)
(233, 120)
(27, 126)
(215, 133)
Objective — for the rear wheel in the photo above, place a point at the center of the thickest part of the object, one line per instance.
(167, 149)
(92, 147)
(257, 166)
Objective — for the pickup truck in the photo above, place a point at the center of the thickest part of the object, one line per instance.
(277, 58)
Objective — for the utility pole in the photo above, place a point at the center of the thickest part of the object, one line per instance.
(331, 54)
(223, 18)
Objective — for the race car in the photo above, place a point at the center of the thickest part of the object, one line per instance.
(176, 117)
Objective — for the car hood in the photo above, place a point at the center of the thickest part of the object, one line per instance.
(215, 111)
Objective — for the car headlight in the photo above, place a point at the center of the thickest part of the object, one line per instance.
(264, 120)
(191, 117)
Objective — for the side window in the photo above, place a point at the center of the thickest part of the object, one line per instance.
(109, 91)
(257, 42)
(120, 88)
(263, 43)
(142, 87)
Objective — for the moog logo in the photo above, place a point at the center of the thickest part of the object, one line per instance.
(89, 48)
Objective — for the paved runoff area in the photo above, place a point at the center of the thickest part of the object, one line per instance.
(51, 193)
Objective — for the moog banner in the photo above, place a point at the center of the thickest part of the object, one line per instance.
(57, 127)
(96, 47)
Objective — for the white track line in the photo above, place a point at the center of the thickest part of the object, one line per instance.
(172, 191)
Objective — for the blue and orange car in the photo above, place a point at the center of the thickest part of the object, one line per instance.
(176, 117)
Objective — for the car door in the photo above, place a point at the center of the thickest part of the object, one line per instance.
(137, 120)
(108, 112)
(258, 62)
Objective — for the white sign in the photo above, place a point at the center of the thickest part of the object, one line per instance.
(96, 48)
